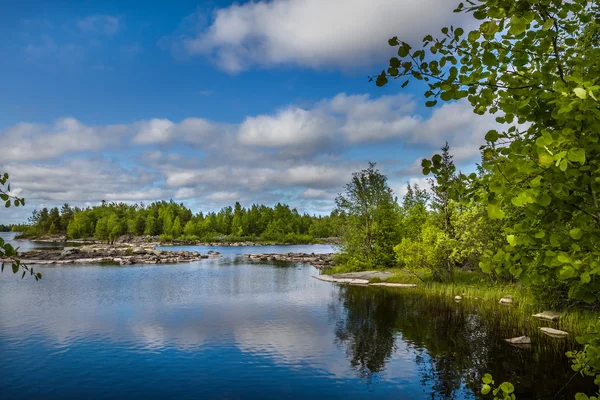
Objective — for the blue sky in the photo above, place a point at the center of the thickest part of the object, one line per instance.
(212, 102)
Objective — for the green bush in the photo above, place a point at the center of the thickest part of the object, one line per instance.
(164, 238)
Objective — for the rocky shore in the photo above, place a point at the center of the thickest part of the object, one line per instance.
(118, 254)
(144, 240)
(320, 261)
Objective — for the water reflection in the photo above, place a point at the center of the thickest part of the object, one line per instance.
(453, 344)
(222, 328)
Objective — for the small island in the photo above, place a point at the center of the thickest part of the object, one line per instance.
(122, 254)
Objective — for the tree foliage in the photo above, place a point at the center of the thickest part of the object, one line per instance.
(171, 220)
(7, 251)
(535, 66)
(370, 230)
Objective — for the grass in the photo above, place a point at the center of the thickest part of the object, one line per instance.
(475, 286)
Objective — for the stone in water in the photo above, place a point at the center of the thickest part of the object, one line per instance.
(519, 340)
(554, 332)
(548, 315)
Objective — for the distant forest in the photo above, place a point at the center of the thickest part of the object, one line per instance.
(173, 221)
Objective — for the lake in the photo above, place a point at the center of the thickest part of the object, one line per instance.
(227, 329)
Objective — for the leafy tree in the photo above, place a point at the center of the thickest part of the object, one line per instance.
(413, 212)
(101, 232)
(369, 233)
(80, 227)
(177, 228)
(535, 65)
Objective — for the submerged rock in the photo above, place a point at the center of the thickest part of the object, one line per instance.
(548, 315)
(556, 333)
(519, 340)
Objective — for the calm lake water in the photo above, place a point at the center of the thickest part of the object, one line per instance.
(226, 329)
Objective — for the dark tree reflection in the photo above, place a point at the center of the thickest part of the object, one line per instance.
(453, 344)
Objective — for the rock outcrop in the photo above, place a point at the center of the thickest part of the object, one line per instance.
(101, 253)
(320, 261)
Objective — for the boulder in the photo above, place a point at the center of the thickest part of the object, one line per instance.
(555, 333)
(138, 250)
(548, 315)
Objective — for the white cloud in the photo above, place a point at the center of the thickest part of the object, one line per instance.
(289, 127)
(154, 131)
(106, 25)
(302, 156)
(67, 135)
(315, 33)
(316, 194)
(349, 120)
(222, 196)
(196, 131)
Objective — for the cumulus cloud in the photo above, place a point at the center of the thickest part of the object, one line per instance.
(299, 155)
(191, 130)
(314, 33)
(67, 135)
(359, 119)
(292, 126)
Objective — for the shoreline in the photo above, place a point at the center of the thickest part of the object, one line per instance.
(319, 261)
(143, 240)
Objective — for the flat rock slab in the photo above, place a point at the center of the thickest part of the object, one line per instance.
(362, 278)
(519, 340)
(392, 284)
(364, 275)
(548, 315)
(351, 281)
(554, 332)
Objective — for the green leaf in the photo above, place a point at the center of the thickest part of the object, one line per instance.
(404, 50)
(512, 240)
(495, 212)
(548, 24)
(382, 80)
(576, 233)
(581, 93)
(507, 387)
(485, 389)
(15, 268)
(487, 379)
(564, 164)
(491, 136)
(576, 155)
(545, 159)
(543, 200)
(581, 396)
(474, 35)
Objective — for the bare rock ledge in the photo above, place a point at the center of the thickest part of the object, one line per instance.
(362, 279)
(320, 261)
(101, 253)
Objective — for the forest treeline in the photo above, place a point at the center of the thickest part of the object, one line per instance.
(174, 221)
